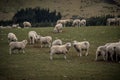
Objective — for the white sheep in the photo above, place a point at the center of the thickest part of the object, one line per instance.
(101, 51)
(60, 49)
(57, 42)
(27, 24)
(83, 22)
(76, 22)
(12, 37)
(64, 21)
(117, 50)
(110, 49)
(45, 40)
(17, 46)
(33, 37)
(15, 25)
(58, 28)
(81, 46)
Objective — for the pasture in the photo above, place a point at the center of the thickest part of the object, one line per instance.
(35, 63)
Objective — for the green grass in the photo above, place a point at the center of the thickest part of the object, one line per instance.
(35, 63)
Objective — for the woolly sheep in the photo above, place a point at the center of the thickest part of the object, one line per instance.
(81, 46)
(76, 22)
(101, 50)
(64, 21)
(59, 49)
(33, 37)
(117, 50)
(27, 24)
(58, 28)
(17, 46)
(110, 49)
(45, 40)
(83, 22)
(12, 37)
(57, 42)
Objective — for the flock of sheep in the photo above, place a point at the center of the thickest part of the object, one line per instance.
(57, 47)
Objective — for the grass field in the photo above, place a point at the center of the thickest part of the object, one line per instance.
(35, 63)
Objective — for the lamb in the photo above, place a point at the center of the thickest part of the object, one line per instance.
(58, 28)
(17, 46)
(27, 24)
(45, 40)
(57, 42)
(81, 46)
(60, 49)
(12, 37)
(33, 37)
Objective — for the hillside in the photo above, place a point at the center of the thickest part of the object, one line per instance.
(68, 8)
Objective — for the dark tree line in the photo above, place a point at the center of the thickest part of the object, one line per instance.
(36, 15)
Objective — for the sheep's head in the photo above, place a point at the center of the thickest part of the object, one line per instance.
(25, 42)
(68, 45)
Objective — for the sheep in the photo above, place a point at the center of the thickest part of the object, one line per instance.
(64, 21)
(45, 40)
(83, 22)
(81, 46)
(76, 22)
(110, 49)
(57, 42)
(60, 49)
(12, 37)
(101, 50)
(27, 24)
(58, 28)
(17, 46)
(117, 50)
(33, 37)
(15, 25)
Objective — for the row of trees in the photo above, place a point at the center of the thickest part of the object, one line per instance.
(44, 17)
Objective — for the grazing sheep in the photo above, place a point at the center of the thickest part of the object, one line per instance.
(26, 24)
(117, 50)
(33, 37)
(64, 22)
(45, 40)
(101, 50)
(12, 37)
(81, 46)
(58, 28)
(59, 49)
(17, 46)
(57, 42)
(76, 22)
(110, 49)
(15, 25)
(83, 22)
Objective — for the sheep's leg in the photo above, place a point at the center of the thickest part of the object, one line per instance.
(86, 53)
(10, 52)
(103, 57)
(96, 57)
(80, 54)
(116, 57)
(65, 57)
(23, 51)
(111, 57)
(51, 57)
